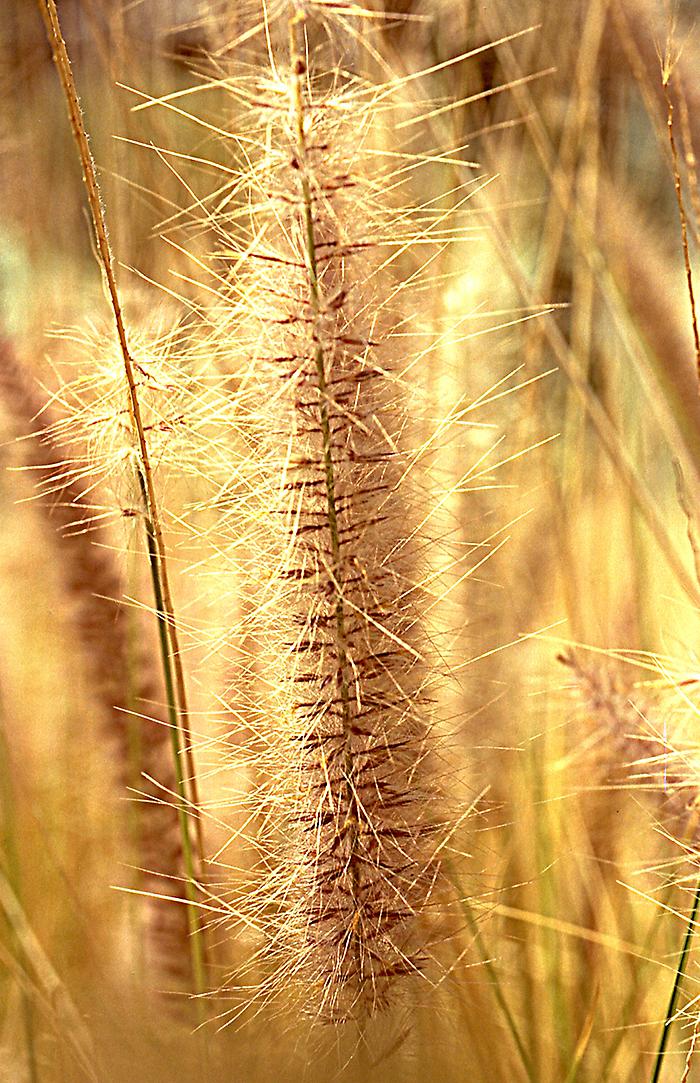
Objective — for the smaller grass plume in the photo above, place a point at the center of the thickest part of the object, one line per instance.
(122, 671)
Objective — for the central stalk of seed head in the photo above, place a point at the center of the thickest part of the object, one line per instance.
(350, 825)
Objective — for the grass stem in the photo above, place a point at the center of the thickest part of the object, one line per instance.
(683, 217)
(170, 650)
(675, 992)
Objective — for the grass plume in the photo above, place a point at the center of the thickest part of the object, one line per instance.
(353, 820)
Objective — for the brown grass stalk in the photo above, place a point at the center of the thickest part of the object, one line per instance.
(683, 218)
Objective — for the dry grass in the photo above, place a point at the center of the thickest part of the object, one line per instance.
(399, 415)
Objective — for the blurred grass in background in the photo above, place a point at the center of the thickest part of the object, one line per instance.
(563, 272)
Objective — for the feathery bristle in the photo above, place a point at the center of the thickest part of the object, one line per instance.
(634, 747)
(352, 819)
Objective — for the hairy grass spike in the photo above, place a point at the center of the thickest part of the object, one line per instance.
(350, 826)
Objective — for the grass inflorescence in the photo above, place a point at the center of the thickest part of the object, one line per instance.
(385, 383)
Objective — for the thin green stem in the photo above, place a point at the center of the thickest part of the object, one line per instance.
(690, 928)
(172, 665)
(633, 994)
(675, 992)
(197, 949)
(498, 992)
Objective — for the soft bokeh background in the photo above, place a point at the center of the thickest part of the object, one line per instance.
(558, 289)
